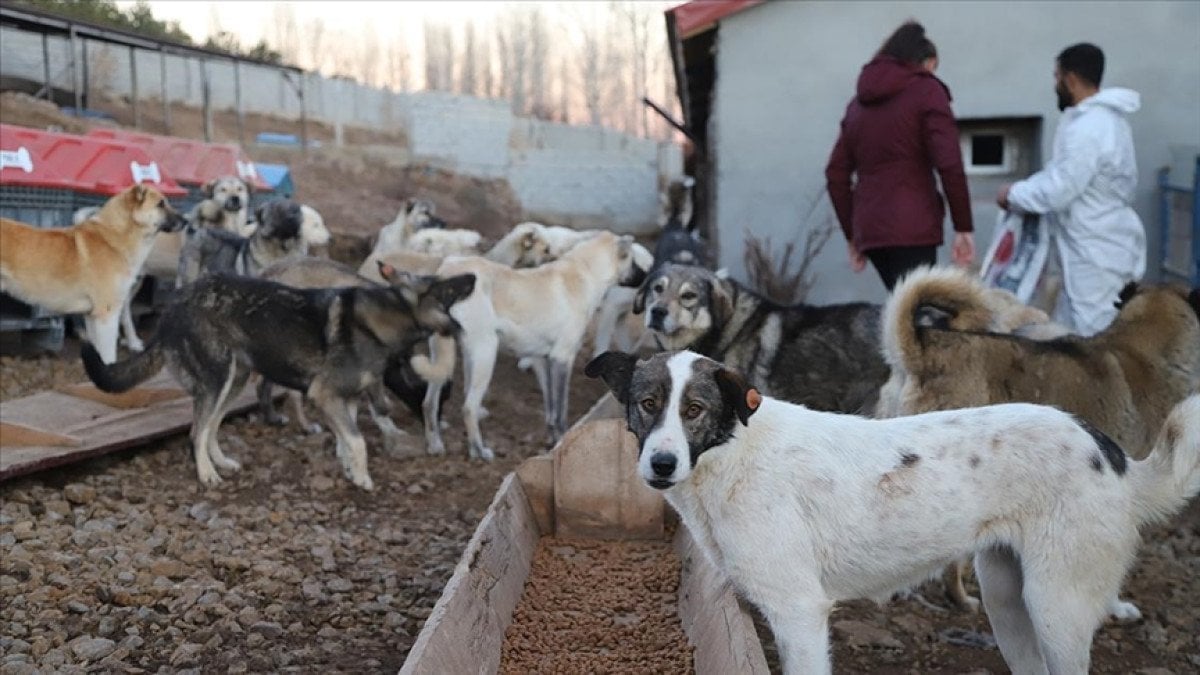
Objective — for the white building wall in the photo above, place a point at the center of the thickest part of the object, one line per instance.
(785, 71)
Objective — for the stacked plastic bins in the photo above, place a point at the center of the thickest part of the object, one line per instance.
(192, 164)
(44, 178)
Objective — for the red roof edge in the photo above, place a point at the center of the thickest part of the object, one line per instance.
(698, 16)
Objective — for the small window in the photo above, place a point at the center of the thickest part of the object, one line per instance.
(988, 152)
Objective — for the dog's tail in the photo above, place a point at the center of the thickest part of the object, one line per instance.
(941, 297)
(439, 365)
(123, 375)
(1170, 475)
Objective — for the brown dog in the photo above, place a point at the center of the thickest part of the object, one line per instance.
(89, 268)
(1124, 380)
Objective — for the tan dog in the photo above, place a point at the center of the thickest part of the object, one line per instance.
(1124, 380)
(89, 268)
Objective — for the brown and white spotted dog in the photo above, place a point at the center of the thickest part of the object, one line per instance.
(803, 509)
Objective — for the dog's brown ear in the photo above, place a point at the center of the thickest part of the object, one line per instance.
(138, 193)
(1131, 289)
(528, 240)
(616, 369)
(737, 393)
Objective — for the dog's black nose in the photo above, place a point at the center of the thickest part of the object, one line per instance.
(657, 316)
(233, 203)
(663, 464)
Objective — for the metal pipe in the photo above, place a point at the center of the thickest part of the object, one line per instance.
(237, 97)
(46, 66)
(166, 98)
(75, 69)
(133, 88)
(206, 94)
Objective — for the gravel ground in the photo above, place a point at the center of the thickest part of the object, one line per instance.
(125, 563)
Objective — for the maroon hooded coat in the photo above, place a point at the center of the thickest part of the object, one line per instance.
(896, 131)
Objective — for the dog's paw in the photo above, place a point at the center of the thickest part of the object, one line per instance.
(313, 429)
(970, 604)
(433, 447)
(135, 345)
(363, 481)
(1124, 612)
(485, 453)
(209, 476)
(228, 463)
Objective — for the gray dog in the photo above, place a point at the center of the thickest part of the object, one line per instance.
(824, 357)
(278, 237)
(333, 344)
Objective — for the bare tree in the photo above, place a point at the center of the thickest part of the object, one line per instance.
(468, 81)
(399, 66)
(313, 36)
(285, 33)
(591, 65)
(487, 76)
(368, 57)
(539, 47)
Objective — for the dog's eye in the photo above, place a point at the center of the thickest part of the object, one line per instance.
(693, 411)
(659, 288)
(162, 203)
(689, 296)
(650, 405)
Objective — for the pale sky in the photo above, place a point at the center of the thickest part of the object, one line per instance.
(250, 20)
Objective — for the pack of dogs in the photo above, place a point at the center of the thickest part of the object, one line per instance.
(816, 453)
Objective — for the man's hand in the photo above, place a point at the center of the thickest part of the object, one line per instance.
(858, 261)
(963, 249)
(1002, 196)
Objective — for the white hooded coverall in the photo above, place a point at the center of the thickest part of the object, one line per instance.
(1088, 189)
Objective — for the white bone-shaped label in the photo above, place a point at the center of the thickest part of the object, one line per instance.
(17, 159)
(246, 170)
(143, 172)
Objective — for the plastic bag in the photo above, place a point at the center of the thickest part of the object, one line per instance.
(1017, 256)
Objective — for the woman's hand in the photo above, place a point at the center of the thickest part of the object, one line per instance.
(858, 261)
(963, 249)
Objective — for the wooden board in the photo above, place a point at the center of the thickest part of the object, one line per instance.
(96, 422)
(465, 630)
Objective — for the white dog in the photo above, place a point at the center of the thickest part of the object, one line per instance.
(539, 314)
(803, 509)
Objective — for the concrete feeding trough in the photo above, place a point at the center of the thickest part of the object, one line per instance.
(586, 488)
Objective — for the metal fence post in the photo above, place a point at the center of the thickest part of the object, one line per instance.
(133, 88)
(237, 97)
(166, 97)
(46, 66)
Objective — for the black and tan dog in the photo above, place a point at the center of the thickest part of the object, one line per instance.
(278, 236)
(824, 357)
(333, 344)
(1124, 380)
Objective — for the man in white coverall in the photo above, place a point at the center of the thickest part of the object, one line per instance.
(1088, 189)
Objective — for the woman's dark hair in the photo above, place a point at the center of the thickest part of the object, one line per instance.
(909, 44)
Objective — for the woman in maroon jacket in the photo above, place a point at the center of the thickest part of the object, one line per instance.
(896, 132)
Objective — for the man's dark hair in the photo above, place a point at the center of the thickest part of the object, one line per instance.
(1086, 60)
(909, 44)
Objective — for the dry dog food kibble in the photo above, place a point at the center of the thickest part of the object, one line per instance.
(598, 607)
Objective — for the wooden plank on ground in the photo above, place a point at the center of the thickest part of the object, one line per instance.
(100, 423)
(465, 630)
(721, 633)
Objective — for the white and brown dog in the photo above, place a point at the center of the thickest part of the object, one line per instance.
(803, 509)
